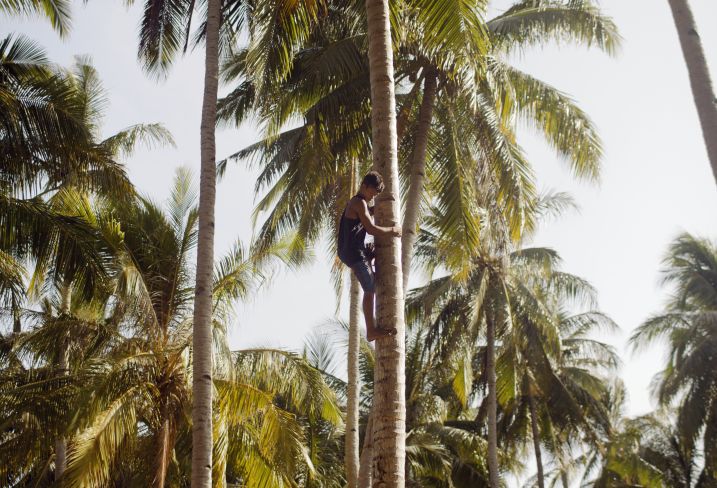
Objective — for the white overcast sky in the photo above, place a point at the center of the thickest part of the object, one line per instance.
(655, 181)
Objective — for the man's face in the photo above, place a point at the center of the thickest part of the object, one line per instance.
(370, 192)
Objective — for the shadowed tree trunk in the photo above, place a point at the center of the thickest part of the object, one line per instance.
(389, 408)
(536, 441)
(351, 454)
(165, 443)
(16, 323)
(564, 479)
(202, 333)
(418, 172)
(366, 455)
(492, 406)
(702, 90)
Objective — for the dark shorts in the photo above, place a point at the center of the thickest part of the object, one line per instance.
(364, 275)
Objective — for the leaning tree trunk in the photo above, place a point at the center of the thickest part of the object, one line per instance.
(418, 173)
(63, 367)
(536, 440)
(702, 91)
(389, 409)
(351, 454)
(202, 333)
(492, 406)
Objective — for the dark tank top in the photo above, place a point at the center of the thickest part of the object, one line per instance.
(351, 246)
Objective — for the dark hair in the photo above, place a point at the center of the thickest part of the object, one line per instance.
(374, 180)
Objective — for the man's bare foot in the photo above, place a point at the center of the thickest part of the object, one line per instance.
(377, 332)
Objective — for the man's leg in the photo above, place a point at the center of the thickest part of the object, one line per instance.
(369, 299)
(365, 277)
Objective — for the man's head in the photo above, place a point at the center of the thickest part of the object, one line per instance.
(371, 185)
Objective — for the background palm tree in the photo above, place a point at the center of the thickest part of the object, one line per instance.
(689, 328)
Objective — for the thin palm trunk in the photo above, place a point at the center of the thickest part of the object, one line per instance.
(202, 334)
(366, 455)
(63, 366)
(702, 90)
(165, 440)
(16, 324)
(418, 172)
(351, 454)
(564, 479)
(536, 440)
(492, 406)
(389, 422)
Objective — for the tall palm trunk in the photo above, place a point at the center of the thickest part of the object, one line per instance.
(351, 454)
(492, 406)
(389, 420)
(202, 334)
(702, 90)
(418, 172)
(410, 221)
(536, 440)
(63, 366)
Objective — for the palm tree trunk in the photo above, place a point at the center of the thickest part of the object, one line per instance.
(202, 334)
(492, 407)
(351, 454)
(700, 80)
(536, 441)
(165, 439)
(564, 478)
(16, 324)
(62, 366)
(418, 172)
(389, 422)
(366, 455)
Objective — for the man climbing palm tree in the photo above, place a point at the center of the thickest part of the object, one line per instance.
(356, 222)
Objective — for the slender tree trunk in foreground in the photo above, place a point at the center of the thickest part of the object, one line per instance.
(351, 454)
(202, 333)
(389, 408)
(536, 441)
(418, 173)
(702, 90)
(492, 407)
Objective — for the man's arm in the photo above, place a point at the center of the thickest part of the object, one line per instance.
(362, 210)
